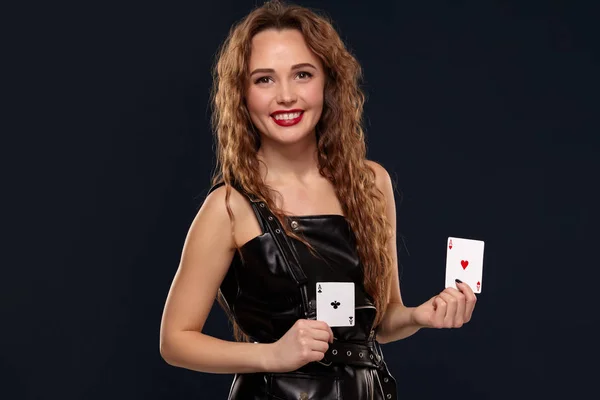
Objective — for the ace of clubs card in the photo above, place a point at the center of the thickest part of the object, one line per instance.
(335, 303)
(464, 261)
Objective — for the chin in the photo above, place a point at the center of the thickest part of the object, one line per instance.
(289, 135)
(292, 139)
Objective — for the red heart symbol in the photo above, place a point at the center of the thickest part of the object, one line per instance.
(464, 264)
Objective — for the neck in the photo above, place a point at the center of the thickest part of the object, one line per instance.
(291, 162)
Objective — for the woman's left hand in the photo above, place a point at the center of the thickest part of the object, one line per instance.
(450, 309)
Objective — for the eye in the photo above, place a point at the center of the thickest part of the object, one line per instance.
(262, 79)
(304, 75)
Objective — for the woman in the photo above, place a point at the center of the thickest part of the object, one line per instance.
(294, 202)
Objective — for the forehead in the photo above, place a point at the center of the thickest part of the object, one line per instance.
(272, 48)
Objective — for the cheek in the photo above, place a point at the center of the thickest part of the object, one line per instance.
(314, 95)
(256, 102)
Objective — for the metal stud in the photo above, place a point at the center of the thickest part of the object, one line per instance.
(389, 396)
(386, 380)
(294, 225)
(277, 230)
(270, 218)
(334, 352)
(262, 204)
(348, 353)
(371, 356)
(360, 354)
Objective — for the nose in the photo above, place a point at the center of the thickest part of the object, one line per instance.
(285, 93)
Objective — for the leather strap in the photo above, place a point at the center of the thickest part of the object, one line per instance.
(359, 354)
(363, 355)
(270, 224)
(287, 249)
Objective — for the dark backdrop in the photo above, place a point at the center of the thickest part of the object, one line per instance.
(480, 110)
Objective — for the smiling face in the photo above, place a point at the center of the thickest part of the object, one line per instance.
(284, 94)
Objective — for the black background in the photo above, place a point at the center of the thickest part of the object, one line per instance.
(484, 113)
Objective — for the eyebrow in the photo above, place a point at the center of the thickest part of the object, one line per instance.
(270, 70)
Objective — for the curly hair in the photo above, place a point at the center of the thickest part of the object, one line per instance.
(340, 136)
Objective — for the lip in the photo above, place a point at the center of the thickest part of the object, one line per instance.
(287, 122)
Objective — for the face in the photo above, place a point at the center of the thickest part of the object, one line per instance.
(284, 94)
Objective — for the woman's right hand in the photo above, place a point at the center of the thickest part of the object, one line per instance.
(306, 341)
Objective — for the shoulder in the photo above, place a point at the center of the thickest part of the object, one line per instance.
(239, 216)
(215, 202)
(383, 181)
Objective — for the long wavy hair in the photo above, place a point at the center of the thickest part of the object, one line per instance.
(340, 137)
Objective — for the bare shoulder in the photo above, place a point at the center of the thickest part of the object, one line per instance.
(215, 201)
(382, 176)
(245, 224)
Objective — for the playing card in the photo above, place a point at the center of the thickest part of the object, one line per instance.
(464, 261)
(335, 303)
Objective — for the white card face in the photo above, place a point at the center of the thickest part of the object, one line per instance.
(464, 261)
(335, 303)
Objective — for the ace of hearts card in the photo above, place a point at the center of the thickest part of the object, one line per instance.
(464, 261)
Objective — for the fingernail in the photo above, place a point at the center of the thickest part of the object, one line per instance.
(458, 281)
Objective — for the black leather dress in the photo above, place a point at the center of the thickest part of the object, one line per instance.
(274, 286)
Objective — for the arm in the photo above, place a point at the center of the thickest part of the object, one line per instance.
(449, 309)
(398, 322)
(206, 256)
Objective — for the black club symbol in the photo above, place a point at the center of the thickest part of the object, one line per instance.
(335, 304)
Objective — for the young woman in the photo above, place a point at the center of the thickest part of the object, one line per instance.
(294, 202)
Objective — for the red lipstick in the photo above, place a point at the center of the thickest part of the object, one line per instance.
(287, 122)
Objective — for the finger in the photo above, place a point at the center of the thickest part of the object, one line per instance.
(470, 306)
(450, 309)
(316, 355)
(440, 312)
(470, 299)
(464, 287)
(320, 335)
(325, 327)
(319, 345)
(459, 317)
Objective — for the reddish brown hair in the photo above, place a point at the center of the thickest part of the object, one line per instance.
(340, 136)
